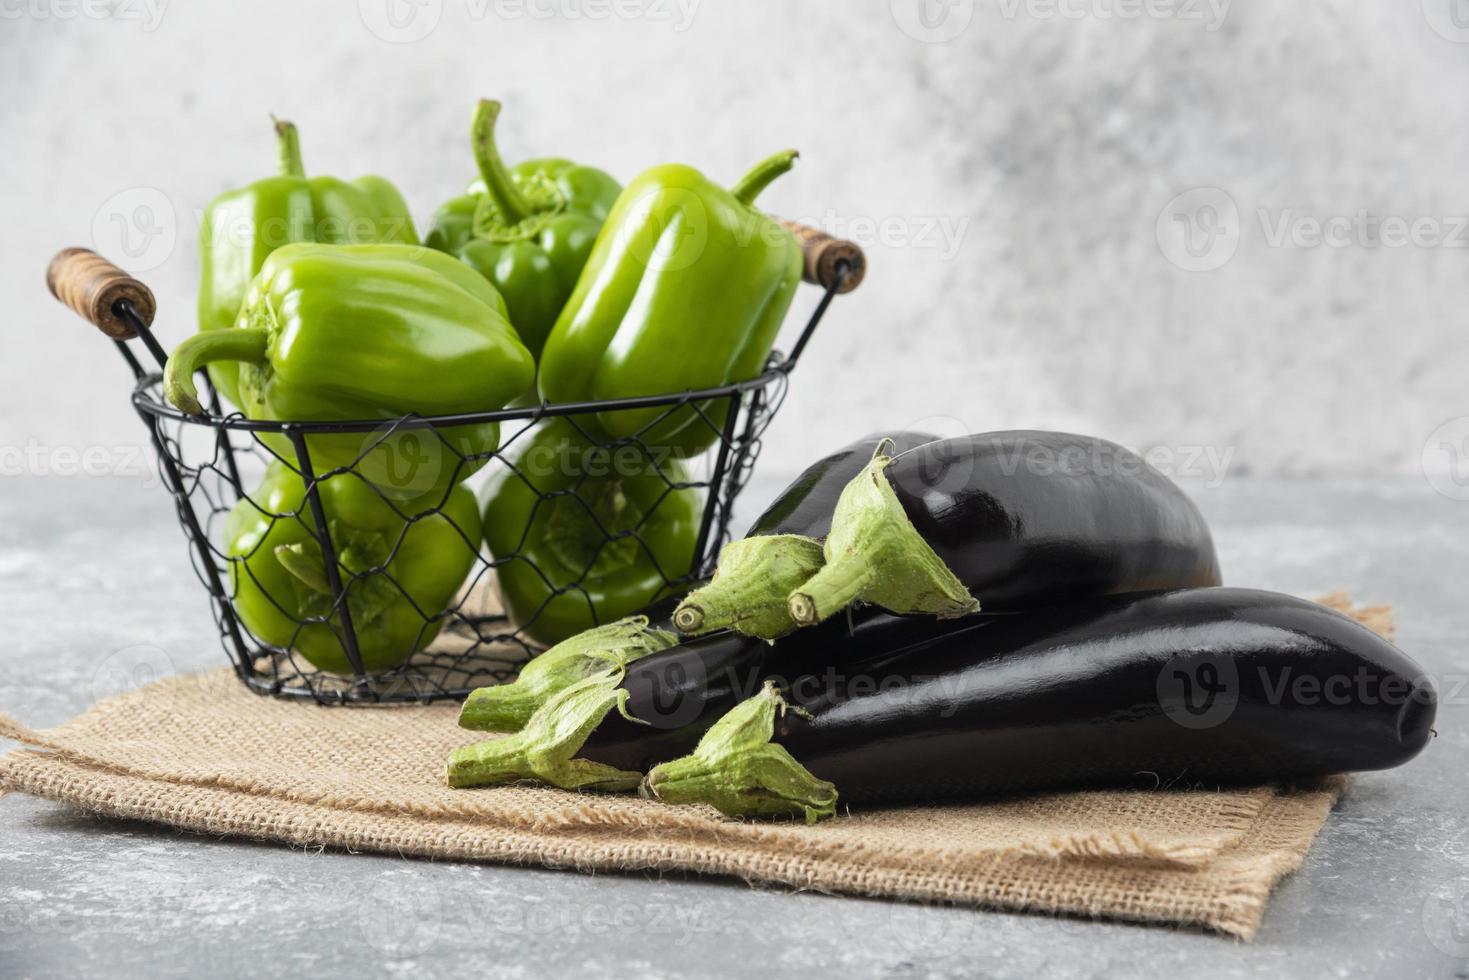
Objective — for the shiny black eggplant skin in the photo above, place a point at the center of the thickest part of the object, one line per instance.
(1027, 518)
(805, 507)
(1116, 692)
(678, 693)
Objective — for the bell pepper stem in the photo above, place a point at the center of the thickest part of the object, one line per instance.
(288, 142)
(368, 595)
(750, 185)
(545, 749)
(875, 554)
(750, 590)
(509, 707)
(739, 770)
(235, 344)
(306, 564)
(512, 204)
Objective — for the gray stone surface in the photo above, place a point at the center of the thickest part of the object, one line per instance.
(96, 593)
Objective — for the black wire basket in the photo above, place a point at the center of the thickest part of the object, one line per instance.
(374, 626)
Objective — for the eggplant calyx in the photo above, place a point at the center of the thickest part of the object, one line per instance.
(875, 554)
(749, 591)
(508, 707)
(739, 770)
(545, 749)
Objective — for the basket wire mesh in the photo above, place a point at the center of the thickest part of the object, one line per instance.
(213, 466)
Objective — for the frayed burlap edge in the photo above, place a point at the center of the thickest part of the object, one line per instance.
(1228, 895)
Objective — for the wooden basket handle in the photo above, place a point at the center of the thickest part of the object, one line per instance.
(91, 286)
(823, 253)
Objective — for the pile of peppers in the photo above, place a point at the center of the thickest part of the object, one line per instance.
(545, 281)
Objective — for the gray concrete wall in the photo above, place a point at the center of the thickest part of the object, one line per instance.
(1014, 168)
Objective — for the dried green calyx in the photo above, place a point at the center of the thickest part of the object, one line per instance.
(875, 554)
(545, 749)
(509, 707)
(737, 768)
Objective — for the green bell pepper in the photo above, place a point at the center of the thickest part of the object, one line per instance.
(587, 535)
(241, 227)
(351, 332)
(686, 288)
(401, 564)
(528, 229)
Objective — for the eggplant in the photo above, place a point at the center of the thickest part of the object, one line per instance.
(805, 507)
(675, 695)
(664, 701)
(1201, 688)
(783, 547)
(1006, 521)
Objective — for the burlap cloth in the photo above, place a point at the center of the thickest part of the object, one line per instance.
(202, 753)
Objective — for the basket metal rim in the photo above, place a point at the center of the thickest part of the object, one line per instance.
(146, 399)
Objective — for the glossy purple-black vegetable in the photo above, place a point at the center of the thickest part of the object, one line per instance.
(1019, 518)
(805, 507)
(676, 694)
(1201, 687)
(1080, 516)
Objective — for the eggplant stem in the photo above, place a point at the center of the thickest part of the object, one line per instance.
(739, 770)
(875, 554)
(834, 587)
(545, 749)
(688, 618)
(509, 707)
(749, 591)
